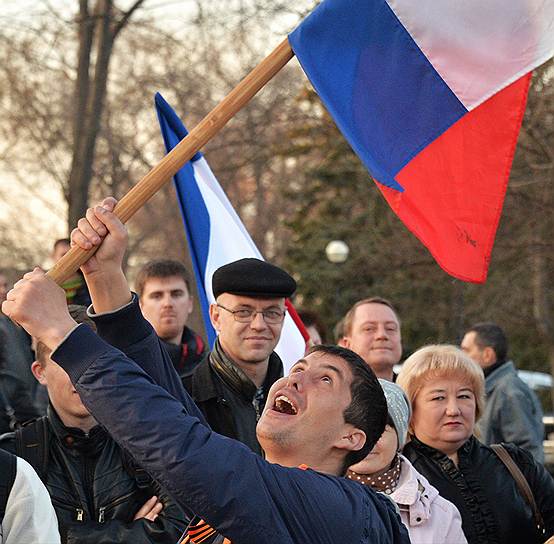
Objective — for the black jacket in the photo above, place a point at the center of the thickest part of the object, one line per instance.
(96, 491)
(188, 354)
(228, 401)
(492, 508)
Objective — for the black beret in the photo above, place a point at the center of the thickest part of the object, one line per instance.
(252, 278)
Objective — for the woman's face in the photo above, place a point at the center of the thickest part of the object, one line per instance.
(381, 456)
(444, 413)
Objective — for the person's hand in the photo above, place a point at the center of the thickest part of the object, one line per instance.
(150, 509)
(40, 307)
(101, 227)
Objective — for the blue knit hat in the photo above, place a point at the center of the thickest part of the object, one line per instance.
(399, 409)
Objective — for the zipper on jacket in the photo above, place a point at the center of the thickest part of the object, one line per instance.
(101, 514)
(80, 514)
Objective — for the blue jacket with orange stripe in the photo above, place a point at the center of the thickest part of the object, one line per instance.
(136, 394)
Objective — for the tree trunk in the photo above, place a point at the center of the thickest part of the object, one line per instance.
(96, 32)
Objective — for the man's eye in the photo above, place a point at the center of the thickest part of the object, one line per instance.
(326, 379)
(243, 313)
(272, 314)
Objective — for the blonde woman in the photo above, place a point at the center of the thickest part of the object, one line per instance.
(446, 390)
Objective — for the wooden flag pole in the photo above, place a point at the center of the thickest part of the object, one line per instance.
(183, 152)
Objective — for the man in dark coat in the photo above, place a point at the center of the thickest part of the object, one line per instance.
(231, 384)
(512, 412)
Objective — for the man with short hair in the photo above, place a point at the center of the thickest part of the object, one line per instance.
(327, 414)
(512, 412)
(371, 328)
(99, 493)
(165, 298)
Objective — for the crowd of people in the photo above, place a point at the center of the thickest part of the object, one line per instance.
(148, 435)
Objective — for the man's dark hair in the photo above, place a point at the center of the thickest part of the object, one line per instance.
(161, 268)
(79, 314)
(490, 335)
(349, 317)
(368, 408)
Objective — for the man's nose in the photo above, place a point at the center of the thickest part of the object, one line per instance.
(381, 332)
(258, 322)
(296, 380)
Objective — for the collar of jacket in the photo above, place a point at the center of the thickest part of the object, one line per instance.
(75, 439)
(414, 494)
(498, 373)
(233, 377)
(441, 458)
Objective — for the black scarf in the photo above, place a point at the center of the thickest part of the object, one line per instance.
(239, 382)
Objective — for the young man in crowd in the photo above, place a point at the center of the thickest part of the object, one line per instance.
(327, 414)
(371, 328)
(99, 493)
(166, 301)
(512, 412)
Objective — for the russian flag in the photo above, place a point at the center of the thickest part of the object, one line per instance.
(216, 235)
(431, 95)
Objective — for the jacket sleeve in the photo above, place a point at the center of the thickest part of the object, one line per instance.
(520, 420)
(29, 515)
(540, 482)
(128, 331)
(235, 491)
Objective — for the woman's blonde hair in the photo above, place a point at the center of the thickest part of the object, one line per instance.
(444, 361)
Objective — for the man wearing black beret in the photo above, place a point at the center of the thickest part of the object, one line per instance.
(231, 384)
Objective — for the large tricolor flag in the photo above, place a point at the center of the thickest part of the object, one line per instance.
(430, 94)
(215, 233)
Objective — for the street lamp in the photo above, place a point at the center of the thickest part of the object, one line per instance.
(337, 251)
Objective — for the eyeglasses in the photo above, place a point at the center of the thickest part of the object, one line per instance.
(245, 315)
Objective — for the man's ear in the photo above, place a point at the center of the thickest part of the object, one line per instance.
(353, 440)
(215, 316)
(38, 373)
(344, 342)
(489, 355)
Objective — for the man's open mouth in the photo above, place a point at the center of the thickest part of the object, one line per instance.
(284, 405)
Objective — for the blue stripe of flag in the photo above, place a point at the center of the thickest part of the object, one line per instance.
(381, 90)
(195, 215)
